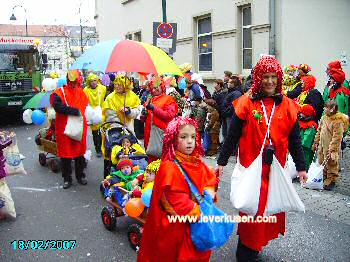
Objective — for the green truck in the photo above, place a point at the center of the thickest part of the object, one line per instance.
(20, 71)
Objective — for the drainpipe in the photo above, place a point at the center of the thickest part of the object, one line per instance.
(272, 38)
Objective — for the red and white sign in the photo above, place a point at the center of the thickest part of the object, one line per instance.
(17, 40)
(165, 30)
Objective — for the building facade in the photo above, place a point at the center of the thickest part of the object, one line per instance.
(232, 34)
(61, 45)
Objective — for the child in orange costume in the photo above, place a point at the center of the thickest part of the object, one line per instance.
(172, 196)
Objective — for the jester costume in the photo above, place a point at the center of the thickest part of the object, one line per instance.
(310, 95)
(248, 128)
(338, 91)
(96, 96)
(308, 129)
(297, 88)
(162, 240)
(337, 66)
(143, 180)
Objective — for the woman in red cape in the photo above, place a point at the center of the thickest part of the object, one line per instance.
(163, 108)
(248, 128)
(161, 239)
(67, 148)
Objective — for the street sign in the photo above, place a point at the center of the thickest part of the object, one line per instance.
(164, 43)
(164, 36)
(165, 30)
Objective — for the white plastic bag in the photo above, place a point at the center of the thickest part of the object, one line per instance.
(7, 207)
(88, 155)
(282, 196)
(89, 114)
(97, 116)
(245, 186)
(292, 170)
(14, 163)
(74, 127)
(315, 176)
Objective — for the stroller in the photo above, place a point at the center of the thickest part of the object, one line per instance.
(113, 133)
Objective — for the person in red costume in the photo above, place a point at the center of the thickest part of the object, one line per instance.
(67, 148)
(248, 129)
(162, 107)
(162, 240)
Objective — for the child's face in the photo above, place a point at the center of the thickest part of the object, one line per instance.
(330, 111)
(186, 141)
(150, 176)
(126, 143)
(126, 170)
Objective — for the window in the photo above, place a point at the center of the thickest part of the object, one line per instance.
(128, 36)
(137, 36)
(247, 37)
(205, 51)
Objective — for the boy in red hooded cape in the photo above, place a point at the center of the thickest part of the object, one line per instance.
(162, 240)
(248, 128)
(72, 102)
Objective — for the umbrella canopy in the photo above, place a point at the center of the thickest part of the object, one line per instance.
(126, 55)
(40, 100)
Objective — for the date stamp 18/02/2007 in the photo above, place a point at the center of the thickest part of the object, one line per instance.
(43, 244)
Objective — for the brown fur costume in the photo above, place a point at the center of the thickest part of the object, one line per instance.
(328, 140)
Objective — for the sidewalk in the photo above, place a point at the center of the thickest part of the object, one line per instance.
(330, 204)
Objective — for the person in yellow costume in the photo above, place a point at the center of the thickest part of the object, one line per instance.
(146, 179)
(122, 105)
(96, 93)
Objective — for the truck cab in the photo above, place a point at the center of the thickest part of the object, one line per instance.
(20, 71)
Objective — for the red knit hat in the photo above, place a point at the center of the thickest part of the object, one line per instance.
(307, 110)
(266, 64)
(124, 162)
(335, 65)
(337, 74)
(309, 82)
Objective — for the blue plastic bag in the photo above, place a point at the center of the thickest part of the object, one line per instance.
(211, 234)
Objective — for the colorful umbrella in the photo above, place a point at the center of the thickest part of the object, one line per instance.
(40, 100)
(128, 56)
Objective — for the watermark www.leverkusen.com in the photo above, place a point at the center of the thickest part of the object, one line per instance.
(223, 219)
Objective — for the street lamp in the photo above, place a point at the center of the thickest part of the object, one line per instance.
(13, 18)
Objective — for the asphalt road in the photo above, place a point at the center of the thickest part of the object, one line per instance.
(48, 212)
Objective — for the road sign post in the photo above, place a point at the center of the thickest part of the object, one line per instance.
(164, 36)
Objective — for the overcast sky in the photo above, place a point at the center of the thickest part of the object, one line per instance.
(58, 12)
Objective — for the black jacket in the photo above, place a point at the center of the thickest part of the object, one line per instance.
(314, 98)
(232, 95)
(220, 99)
(62, 108)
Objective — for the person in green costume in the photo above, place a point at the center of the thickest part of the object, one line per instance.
(308, 130)
(123, 177)
(337, 87)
